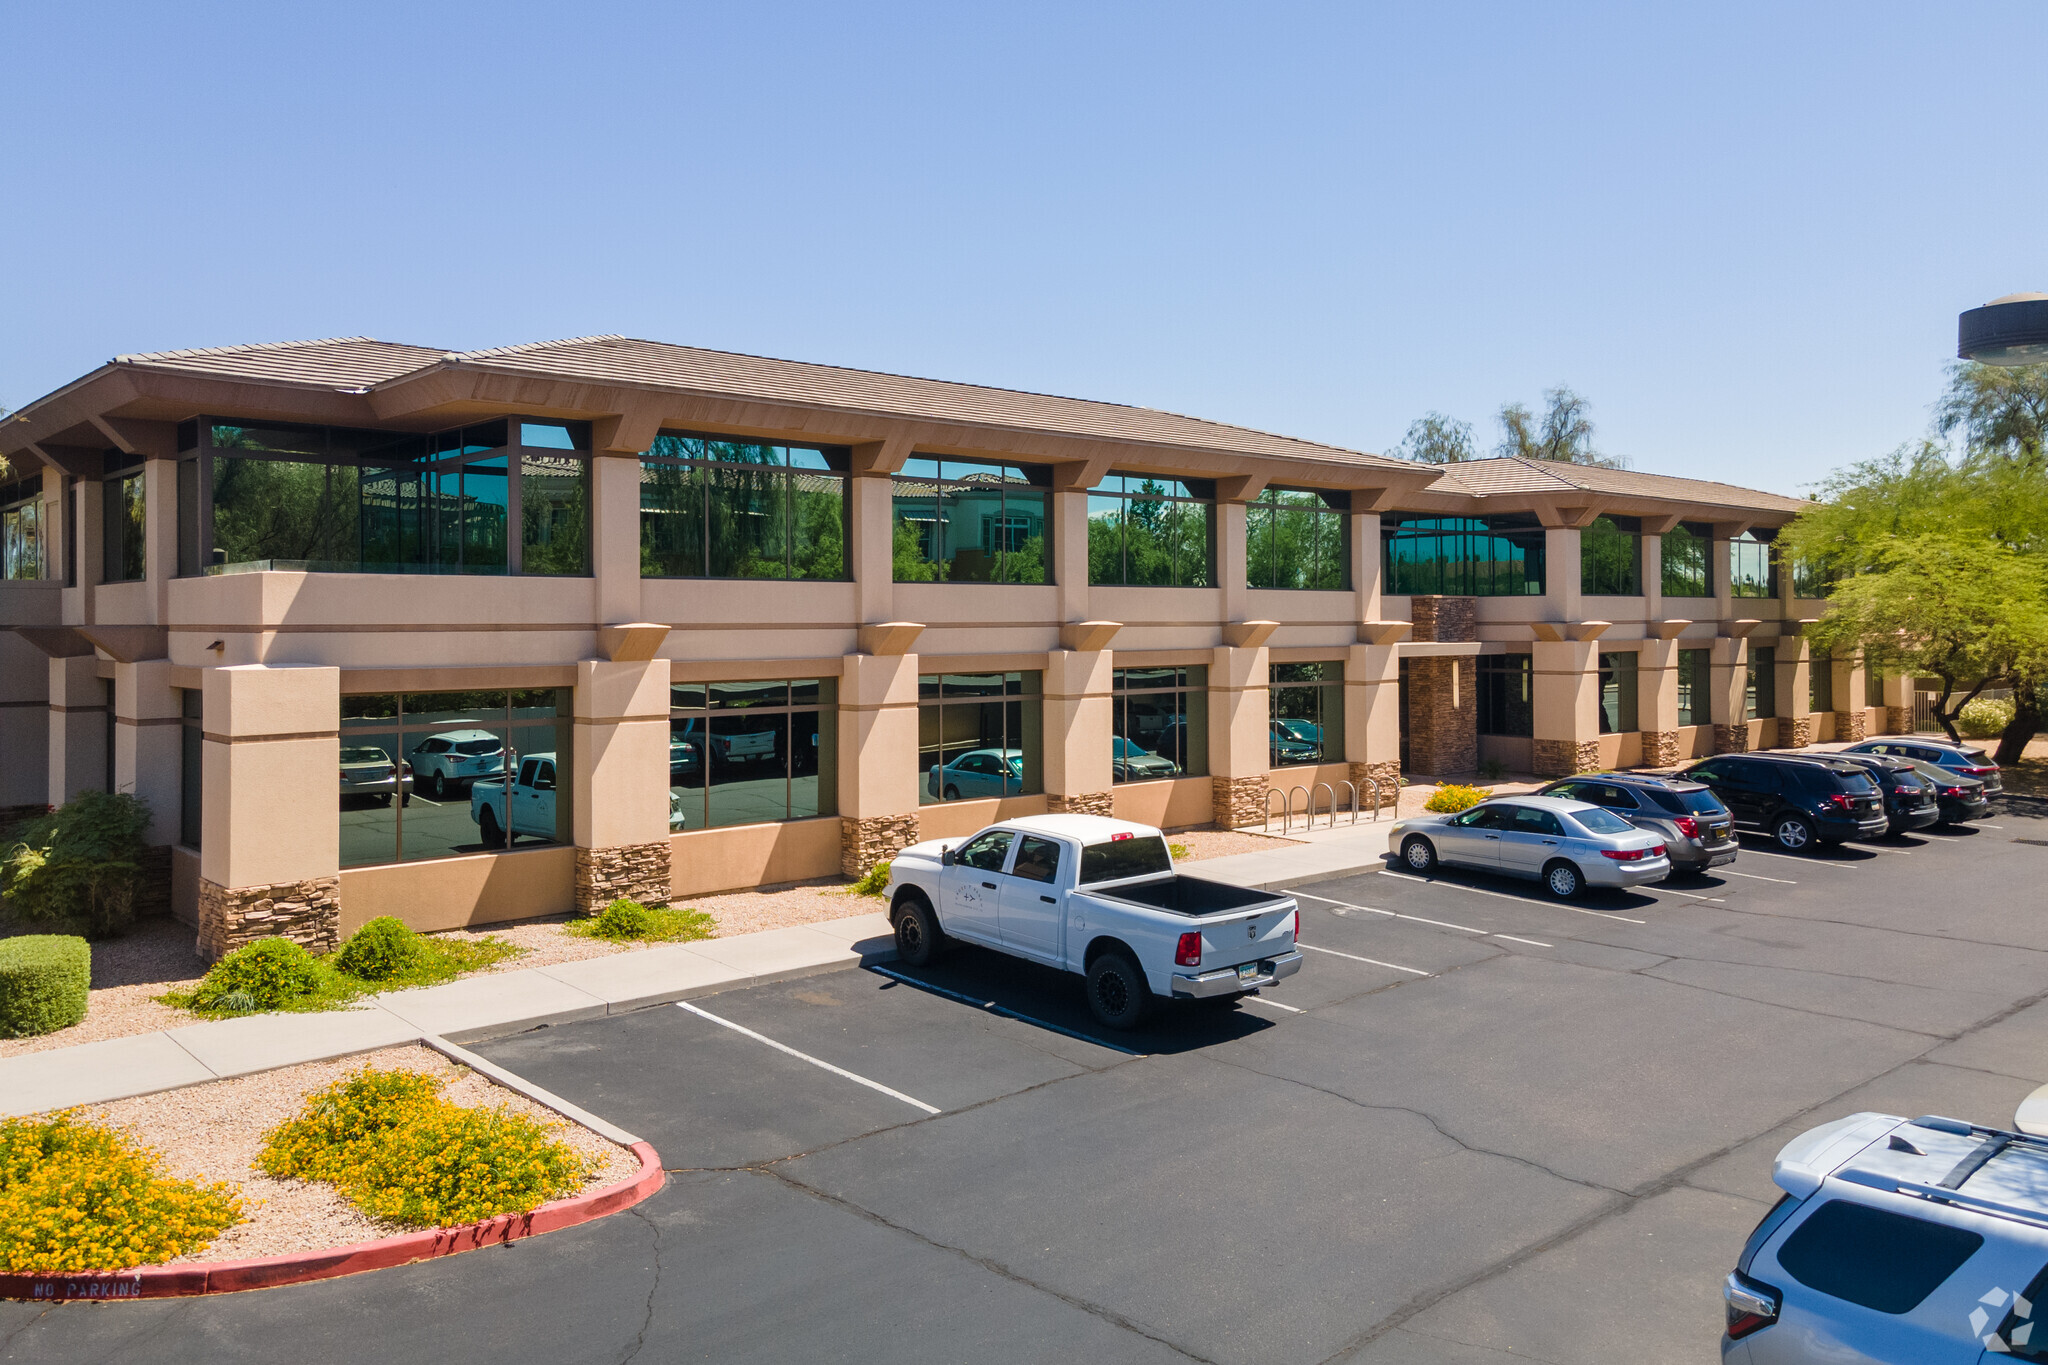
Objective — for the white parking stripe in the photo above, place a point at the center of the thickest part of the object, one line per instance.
(1390, 914)
(993, 1008)
(1716, 900)
(1810, 862)
(1996, 827)
(1519, 900)
(1262, 1000)
(1530, 941)
(807, 1057)
(1356, 958)
(1724, 872)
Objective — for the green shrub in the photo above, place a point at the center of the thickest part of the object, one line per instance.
(1178, 852)
(380, 950)
(625, 921)
(874, 882)
(1452, 798)
(77, 1196)
(397, 1150)
(79, 864)
(269, 974)
(45, 981)
(1985, 718)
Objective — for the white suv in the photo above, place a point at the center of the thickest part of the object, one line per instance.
(1915, 1241)
(453, 759)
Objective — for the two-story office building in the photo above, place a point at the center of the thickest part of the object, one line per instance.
(381, 629)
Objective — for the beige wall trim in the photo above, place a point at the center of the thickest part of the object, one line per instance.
(388, 628)
(764, 625)
(69, 710)
(980, 663)
(1307, 654)
(212, 738)
(149, 720)
(1140, 658)
(456, 678)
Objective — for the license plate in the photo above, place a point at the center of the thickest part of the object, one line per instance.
(1247, 971)
(1717, 831)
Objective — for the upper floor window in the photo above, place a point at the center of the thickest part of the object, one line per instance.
(125, 523)
(505, 496)
(1463, 556)
(1611, 558)
(717, 508)
(971, 521)
(1688, 558)
(21, 529)
(1298, 538)
(1751, 572)
(1811, 578)
(1151, 532)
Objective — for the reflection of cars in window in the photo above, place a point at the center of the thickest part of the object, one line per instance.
(369, 771)
(979, 772)
(684, 757)
(730, 746)
(453, 759)
(1288, 746)
(1134, 764)
(531, 795)
(677, 818)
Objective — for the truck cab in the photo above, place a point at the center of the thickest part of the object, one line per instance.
(531, 797)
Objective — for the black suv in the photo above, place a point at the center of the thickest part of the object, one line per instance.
(1910, 801)
(1697, 829)
(1797, 801)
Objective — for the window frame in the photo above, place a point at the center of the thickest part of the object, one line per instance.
(1330, 508)
(1611, 531)
(944, 492)
(124, 521)
(838, 462)
(1695, 692)
(1190, 689)
(1760, 686)
(1023, 688)
(1743, 578)
(1497, 713)
(1699, 537)
(1176, 494)
(823, 702)
(1428, 572)
(1323, 686)
(1617, 671)
(21, 506)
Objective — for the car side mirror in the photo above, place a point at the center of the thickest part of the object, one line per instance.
(946, 856)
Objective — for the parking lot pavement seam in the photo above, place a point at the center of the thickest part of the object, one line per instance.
(994, 1267)
(653, 1288)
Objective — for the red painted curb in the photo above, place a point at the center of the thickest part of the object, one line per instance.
(227, 1277)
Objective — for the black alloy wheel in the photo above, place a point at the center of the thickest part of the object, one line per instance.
(918, 936)
(1117, 994)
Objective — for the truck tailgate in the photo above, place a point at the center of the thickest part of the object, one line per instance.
(1236, 937)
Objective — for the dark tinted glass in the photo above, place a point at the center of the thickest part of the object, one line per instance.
(1121, 858)
(986, 854)
(1038, 860)
(1877, 1259)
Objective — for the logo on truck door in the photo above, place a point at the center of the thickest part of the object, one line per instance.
(1251, 931)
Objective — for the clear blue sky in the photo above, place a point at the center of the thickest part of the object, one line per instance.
(1744, 231)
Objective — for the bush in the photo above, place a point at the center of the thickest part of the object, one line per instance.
(380, 950)
(1985, 718)
(397, 1150)
(625, 921)
(45, 981)
(1178, 852)
(78, 1196)
(79, 864)
(1452, 798)
(874, 882)
(274, 974)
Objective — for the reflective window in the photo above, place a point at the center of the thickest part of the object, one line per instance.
(1751, 572)
(1611, 558)
(1298, 538)
(979, 735)
(1504, 691)
(1038, 860)
(1820, 682)
(1811, 578)
(21, 529)
(971, 521)
(1695, 669)
(751, 753)
(1878, 1259)
(1159, 722)
(713, 508)
(124, 525)
(1617, 693)
(1463, 556)
(1688, 554)
(1151, 532)
(439, 774)
(191, 766)
(1760, 691)
(1306, 722)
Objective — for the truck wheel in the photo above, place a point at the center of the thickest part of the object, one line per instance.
(918, 936)
(494, 837)
(1117, 993)
(1419, 854)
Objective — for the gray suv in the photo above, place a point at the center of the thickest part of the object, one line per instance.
(1698, 831)
(1914, 1241)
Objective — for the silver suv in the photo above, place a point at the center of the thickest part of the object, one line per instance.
(1915, 1241)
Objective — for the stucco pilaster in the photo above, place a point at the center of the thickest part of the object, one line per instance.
(79, 703)
(1078, 723)
(615, 535)
(147, 743)
(1565, 692)
(618, 793)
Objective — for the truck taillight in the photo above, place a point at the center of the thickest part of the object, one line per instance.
(1687, 826)
(1188, 953)
(1295, 933)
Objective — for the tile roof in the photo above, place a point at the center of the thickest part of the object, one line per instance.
(623, 360)
(331, 362)
(1511, 474)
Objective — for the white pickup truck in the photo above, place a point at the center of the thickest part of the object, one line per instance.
(532, 797)
(1098, 897)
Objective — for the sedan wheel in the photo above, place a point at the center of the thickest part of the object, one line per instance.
(1419, 855)
(952, 792)
(1563, 880)
(1793, 833)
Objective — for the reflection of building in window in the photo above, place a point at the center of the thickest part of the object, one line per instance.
(970, 521)
(1820, 682)
(21, 529)
(1688, 554)
(1298, 538)
(979, 735)
(749, 753)
(1695, 668)
(1306, 722)
(1617, 693)
(1159, 725)
(1760, 690)
(713, 508)
(1751, 572)
(1146, 531)
(413, 766)
(1502, 686)
(1611, 558)
(1463, 556)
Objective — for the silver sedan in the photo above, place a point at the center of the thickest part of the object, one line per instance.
(1567, 845)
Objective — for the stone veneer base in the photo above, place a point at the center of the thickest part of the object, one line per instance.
(308, 913)
(1898, 720)
(865, 840)
(1235, 802)
(1563, 757)
(1795, 732)
(1731, 739)
(1387, 774)
(638, 872)
(1085, 803)
(1660, 749)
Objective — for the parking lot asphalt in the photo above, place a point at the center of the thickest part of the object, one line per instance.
(1479, 1125)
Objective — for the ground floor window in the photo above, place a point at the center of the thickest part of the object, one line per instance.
(979, 734)
(750, 753)
(1160, 725)
(1617, 693)
(1760, 693)
(191, 765)
(418, 771)
(1504, 690)
(1694, 670)
(1820, 683)
(1873, 685)
(1307, 715)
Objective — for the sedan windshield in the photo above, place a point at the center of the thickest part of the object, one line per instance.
(1598, 821)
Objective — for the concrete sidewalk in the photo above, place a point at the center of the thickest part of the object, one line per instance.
(1318, 854)
(464, 1011)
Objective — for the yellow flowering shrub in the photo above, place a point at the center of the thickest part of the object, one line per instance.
(396, 1150)
(79, 1196)
(1452, 798)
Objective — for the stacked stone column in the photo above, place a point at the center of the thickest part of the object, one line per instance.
(1079, 720)
(618, 797)
(1443, 709)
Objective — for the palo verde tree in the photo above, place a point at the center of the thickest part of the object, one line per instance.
(1563, 433)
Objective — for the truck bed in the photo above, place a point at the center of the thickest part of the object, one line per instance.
(1190, 896)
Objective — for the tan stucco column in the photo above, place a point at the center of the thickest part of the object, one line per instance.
(1070, 559)
(1561, 572)
(618, 795)
(1851, 720)
(1898, 703)
(1792, 663)
(871, 521)
(1372, 719)
(1239, 749)
(878, 761)
(147, 752)
(615, 534)
(24, 729)
(1367, 576)
(1078, 722)
(1230, 560)
(160, 536)
(270, 831)
(1728, 674)
(1566, 699)
(1657, 701)
(78, 728)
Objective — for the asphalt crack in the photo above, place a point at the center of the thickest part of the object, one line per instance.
(653, 1287)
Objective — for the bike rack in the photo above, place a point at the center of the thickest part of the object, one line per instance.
(1286, 813)
(1351, 787)
(1322, 786)
(1372, 782)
